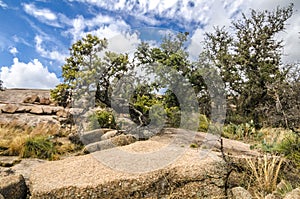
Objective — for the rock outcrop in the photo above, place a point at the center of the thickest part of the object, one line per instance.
(13, 187)
(162, 167)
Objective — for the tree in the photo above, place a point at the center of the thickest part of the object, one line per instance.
(86, 70)
(250, 59)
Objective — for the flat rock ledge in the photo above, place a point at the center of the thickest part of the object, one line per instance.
(85, 177)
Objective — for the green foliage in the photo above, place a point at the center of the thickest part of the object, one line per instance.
(194, 145)
(39, 147)
(203, 123)
(173, 116)
(290, 148)
(157, 115)
(61, 94)
(240, 132)
(102, 119)
(85, 69)
(250, 59)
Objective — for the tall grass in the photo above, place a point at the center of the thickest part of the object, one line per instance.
(33, 141)
(265, 171)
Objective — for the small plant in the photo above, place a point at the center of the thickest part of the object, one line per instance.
(203, 123)
(284, 188)
(194, 145)
(240, 132)
(102, 119)
(290, 148)
(265, 173)
(39, 147)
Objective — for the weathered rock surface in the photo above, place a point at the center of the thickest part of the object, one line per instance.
(36, 110)
(93, 136)
(45, 101)
(295, 194)
(13, 187)
(9, 108)
(110, 134)
(162, 167)
(120, 140)
(271, 196)
(240, 193)
(9, 161)
(32, 99)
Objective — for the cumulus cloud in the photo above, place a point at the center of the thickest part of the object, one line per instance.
(13, 50)
(28, 75)
(101, 26)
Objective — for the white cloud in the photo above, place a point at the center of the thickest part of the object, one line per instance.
(13, 50)
(3, 5)
(27, 75)
(101, 26)
(44, 15)
(54, 54)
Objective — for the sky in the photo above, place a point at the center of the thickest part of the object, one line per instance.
(35, 36)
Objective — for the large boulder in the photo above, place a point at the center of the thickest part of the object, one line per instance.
(110, 134)
(9, 108)
(92, 136)
(32, 99)
(13, 187)
(120, 140)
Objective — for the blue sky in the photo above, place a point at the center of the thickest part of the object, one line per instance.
(35, 35)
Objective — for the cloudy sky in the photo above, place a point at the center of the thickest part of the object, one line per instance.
(35, 35)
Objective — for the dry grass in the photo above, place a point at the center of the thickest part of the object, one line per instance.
(14, 136)
(265, 171)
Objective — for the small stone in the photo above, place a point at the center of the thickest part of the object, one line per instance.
(9, 108)
(47, 110)
(240, 193)
(45, 101)
(62, 113)
(36, 110)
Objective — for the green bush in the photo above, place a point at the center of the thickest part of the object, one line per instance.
(240, 132)
(39, 147)
(203, 123)
(102, 119)
(157, 115)
(173, 116)
(290, 148)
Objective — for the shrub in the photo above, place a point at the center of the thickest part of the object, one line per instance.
(290, 148)
(173, 116)
(39, 147)
(240, 132)
(203, 123)
(102, 119)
